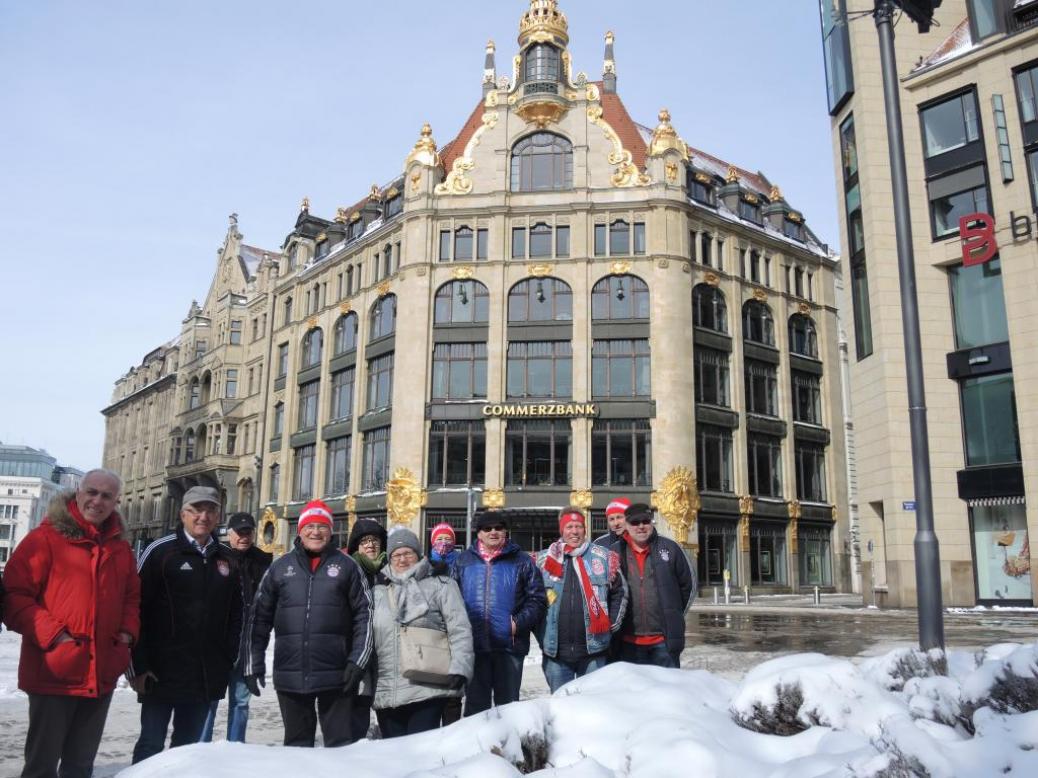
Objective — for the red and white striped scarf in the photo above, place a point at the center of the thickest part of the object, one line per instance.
(554, 564)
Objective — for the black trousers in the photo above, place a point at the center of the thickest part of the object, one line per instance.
(361, 716)
(63, 729)
(411, 719)
(333, 708)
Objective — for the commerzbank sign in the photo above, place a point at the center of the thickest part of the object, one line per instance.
(541, 410)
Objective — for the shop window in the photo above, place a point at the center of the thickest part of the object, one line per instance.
(815, 552)
(621, 453)
(457, 453)
(718, 552)
(537, 453)
(1002, 551)
(768, 555)
(459, 371)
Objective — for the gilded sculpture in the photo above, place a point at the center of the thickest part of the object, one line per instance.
(732, 177)
(268, 534)
(620, 267)
(543, 22)
(404, 497)
(424, 152)
(665, 138)
(746, 505)
(457, 183)
(462, 273)
(793, 508)
(305, 205)
(626, 173)
(345, 308)
(493, 499)
(382, 289)
(679, 501)
(540, 269)
(340, 215)
(582, 498)
(744, 533)
(775, 194)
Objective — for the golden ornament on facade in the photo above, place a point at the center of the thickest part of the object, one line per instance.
(760, 295)
(804, 309)
(703, 178)
(354, 217)
(492, 100)
(582, 498)
(665, 138)
(462, 273)
(793, 507)
(305, 205)
(375, 193)
(382, 289)
(340, 215)
(416, 180)
(457, 183)
(493, 499)
(311, 323)
(391, 193)
(794, 217)
(732, 177)
(542, 112)
(626, 173)
(351, 511)
(404, 497)
(746, 505)
(679, 501)
(775, 194)
(424, 151)
(540, 269)
(620, 267)
(543, 22)
(672, 172)
(751, 198)
(321, 238)
(268, 532)
(712, 278)
(345, 308)
(744, 533)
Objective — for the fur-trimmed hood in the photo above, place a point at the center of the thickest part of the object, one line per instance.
(60, 517)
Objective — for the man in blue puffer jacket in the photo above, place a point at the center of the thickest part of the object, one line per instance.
(504, 596)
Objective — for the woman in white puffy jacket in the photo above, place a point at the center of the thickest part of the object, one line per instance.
(413, 596)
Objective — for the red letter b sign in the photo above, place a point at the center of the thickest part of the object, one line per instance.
(977, 233)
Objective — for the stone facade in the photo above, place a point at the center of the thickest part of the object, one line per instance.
(976, 482)
(518, 316)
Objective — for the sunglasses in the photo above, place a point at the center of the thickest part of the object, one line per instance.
(494, 528)
(639, 522)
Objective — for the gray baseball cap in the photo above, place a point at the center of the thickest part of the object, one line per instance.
(197, 494)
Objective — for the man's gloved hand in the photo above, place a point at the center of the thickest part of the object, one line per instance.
(254, 682)
(351, 677)
(457, 682)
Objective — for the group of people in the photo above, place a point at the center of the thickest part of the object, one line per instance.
(420, 637)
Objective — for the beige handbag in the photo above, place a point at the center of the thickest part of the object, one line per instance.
(425, 654)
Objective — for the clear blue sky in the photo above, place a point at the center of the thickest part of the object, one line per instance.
(131, 130)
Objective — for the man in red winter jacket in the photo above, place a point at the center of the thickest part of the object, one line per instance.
(74, 595)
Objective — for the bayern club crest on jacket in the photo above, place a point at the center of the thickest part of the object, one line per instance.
(665, 554)
(334, 570)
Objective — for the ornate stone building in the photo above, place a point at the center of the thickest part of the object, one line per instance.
(559, 305)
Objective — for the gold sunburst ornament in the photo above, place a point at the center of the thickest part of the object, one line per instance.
(404, 497)
(679, 502)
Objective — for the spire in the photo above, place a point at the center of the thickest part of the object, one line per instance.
(544, 22)
(609, 66)
(489, 70)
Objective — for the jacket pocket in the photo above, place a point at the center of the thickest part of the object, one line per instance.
(113, 662)
(67, 663)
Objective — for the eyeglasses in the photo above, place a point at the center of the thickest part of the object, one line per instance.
(317, 529)
(404, 553)
(639, 522)
(368, 541)
(494, 528)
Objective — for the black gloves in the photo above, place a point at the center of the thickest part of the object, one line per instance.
(254, 682)
(457, 682)
(351, 677)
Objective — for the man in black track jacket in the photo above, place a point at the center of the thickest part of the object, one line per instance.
(191, 621)
(317, 601)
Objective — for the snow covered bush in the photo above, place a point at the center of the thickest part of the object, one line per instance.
(1006, 681)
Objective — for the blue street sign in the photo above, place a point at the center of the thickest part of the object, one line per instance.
(908, 505)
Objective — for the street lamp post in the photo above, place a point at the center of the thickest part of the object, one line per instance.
(927, 552)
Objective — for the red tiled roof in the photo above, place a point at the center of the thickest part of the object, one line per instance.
(615, 114)
(957, 41)
(455, 148)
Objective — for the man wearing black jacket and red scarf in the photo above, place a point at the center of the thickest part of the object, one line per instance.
(662, 584)
(191, 620)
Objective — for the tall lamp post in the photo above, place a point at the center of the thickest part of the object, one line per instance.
(927, 552)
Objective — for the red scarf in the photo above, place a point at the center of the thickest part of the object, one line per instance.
(554, 565)
(487, 554)
(90, 531)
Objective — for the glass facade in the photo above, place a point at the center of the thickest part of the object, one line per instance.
(989, 420)
(836, 49)
(1002, 551)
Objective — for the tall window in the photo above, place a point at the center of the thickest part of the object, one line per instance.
(235, 332)
(282, 360)
(950, 124)
(836, 49)
(537, 453)
(761, 388)
(856, 241)
(542, 162)
(194, 394)
(768, 554)
(457, 453)
(383, 317)
(712, 377)
(807, 398)
(810, 471)
(376, 459)
(989, 419)
(463, 243)
(757, 324)
(462, 302)
(540, 369)
(540, 240)
(620, 297)
(307, 418)
(623, 238)
(803, 338)
(279, 419)
(714, 458)
(312, 343)
(709, 310)
(189, 446)
(459, 371)
(957, 195)
(620, 368)
(380, 382)
(230, 383)
(337, 466)
(764, 465)
(303, 473)
(342, 394)
(541, 299)
(978, 304)
(345, 334)
(621, 453)
(541, 63)
(275, 482)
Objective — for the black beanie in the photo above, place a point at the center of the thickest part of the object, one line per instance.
(638, 511)
(489, 519)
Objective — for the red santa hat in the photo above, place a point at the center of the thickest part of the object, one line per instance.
(619, 505)
(315, 512)
(571, 514)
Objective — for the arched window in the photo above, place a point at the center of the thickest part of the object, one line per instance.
(542, 63)
(542, 162)
(345, 334)
(383, 317)
(195, 394)
(757, 324)
(803, 339)
(709, 310)
(312, 343)
(462, 302)
(620, 297)
(540, 299)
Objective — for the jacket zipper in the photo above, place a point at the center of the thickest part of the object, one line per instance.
(306, 626)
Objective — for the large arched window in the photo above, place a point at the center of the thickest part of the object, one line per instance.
(620, 297)
(542, 162)
(757, 324)
(345, 334)
(462, 302)
(312, 344)
(383, 317)
(540, 299)
(541, 63)
(803, 339)
(709, 310)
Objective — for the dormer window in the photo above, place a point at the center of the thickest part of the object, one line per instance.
(750, 211)
(793, 229)
(541, 65)
(394, 205)
(700, 188)
(356, 229)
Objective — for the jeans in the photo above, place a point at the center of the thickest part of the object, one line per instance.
(496, 679)
(558, 673)
(411, 719)
(188, 719)
(63, 729)
(656, 654)
(237, 711)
